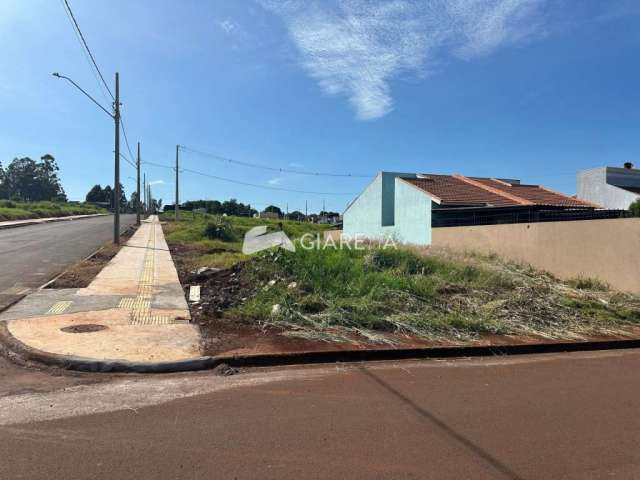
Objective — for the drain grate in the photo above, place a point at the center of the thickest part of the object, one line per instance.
(83, 328)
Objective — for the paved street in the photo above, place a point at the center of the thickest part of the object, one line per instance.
(31, 255)
(571, 416)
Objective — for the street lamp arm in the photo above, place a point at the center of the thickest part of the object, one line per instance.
(57, 75)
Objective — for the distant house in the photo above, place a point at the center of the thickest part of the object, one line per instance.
(272, 215)
(406, 206)
(610, 187)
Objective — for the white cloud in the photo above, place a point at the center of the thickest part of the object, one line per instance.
(274, 181)
(157, 182)
(354, 48)
(295, 165)
(228, 26)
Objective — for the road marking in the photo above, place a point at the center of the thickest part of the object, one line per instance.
(59, 308)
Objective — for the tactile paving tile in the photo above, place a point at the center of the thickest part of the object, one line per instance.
(59, 308)
(140, 306)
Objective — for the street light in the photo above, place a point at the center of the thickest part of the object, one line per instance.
(116, 117)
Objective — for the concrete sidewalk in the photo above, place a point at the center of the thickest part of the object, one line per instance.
(134, 310)
(37, 221)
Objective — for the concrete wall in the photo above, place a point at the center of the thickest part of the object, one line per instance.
(598, 186)
(390, 208)
(364, 215)
(604, 249)
(412, 214)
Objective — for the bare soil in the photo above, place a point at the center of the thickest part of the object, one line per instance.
(82, 273)
(221, 290)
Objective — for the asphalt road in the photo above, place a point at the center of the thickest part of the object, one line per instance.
(570, 416)
(29, 256)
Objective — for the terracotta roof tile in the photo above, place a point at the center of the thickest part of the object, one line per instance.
(452, 190)
(459, 190)
(536, 194)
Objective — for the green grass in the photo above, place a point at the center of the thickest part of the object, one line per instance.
(10, 210)
(191, 232)
(434, 295)
(378, 295)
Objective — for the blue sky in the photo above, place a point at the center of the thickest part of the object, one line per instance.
(530, 89)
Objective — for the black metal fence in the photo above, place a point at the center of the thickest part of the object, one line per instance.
(459, 217)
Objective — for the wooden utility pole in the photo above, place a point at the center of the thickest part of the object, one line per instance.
(138, 188)
(116, 181)
(177, 192)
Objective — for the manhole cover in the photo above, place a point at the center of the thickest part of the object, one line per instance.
(84, 328)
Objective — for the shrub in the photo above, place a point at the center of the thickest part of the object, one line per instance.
(219, 229)
(587, 283)
(634, 208)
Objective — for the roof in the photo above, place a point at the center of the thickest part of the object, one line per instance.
(458, 190)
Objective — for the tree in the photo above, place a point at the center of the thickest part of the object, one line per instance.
(329, 214)
(634, 208)
(95, 195)
(4, 192)
(48, 181)
(296, 216)
(123, 198)
(274, 209)
(28, 180)
(107, 195)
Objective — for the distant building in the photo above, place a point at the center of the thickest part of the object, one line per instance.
(406, 206)
(272, 215)
(610, 187)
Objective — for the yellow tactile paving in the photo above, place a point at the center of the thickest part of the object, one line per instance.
(59, 308)
(140, 306)
(139, 275)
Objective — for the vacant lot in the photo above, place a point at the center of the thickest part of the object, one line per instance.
(385, 295)
(10, 210)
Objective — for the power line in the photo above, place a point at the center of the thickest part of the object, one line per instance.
(273, 169)
(128, 161)
(126, 140)
(84, 42)
(238, 182)
(84, 52)
(147, 162)
(262, 186)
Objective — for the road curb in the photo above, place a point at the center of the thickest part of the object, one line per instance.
(14, 347)
(40, 221)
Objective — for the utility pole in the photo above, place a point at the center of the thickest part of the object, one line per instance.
(306, 210)
(116, 117)
(177, 192)
(116, 181)
(144, 194)
(138, 188)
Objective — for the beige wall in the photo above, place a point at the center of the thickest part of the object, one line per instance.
(333, 235)
(605, 249)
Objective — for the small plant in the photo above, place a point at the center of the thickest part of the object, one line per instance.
(586, 283)
(219, 228)
(634, 208)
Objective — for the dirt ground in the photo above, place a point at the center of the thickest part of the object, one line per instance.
(221, 290)
(82, 273)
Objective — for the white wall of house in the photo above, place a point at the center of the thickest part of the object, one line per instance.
(596, 186)
(390, 208)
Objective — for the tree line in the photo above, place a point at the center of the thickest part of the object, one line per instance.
(28, 180)
(233, 207)
(105, 196)
(229, 207)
